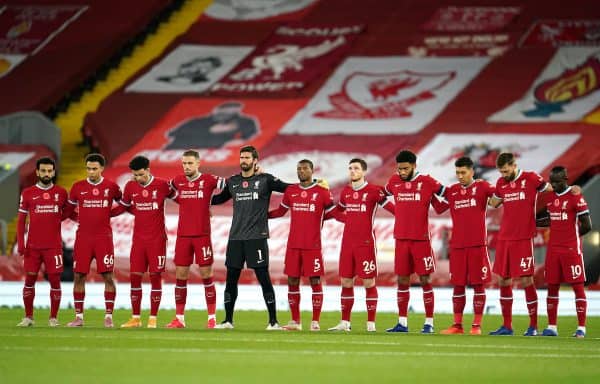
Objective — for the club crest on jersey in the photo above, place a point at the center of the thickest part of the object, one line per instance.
(201, 184)
(370, 96)
(523, 183)
(364, 197)
(256, 184)
(419, 186)
(474, 191)
(106, 190)
(568, 86)
(56, 197)
(303, 194)
(46, 196)
(145, 193)
(244, 184)
(95, 191)
(314, 196)
(564, 205)
(154, 194)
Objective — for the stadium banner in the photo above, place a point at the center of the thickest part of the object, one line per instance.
(190, 69)
(562, 33)
(258, 10)
(9, 62)
(25, 29)
(438, 156)
(289, 59)
(384, 95)
(566, 90)
(470, 19)
(214, 127)
(484, 44)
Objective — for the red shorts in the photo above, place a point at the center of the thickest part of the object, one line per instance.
(51, 257)
(88, 248)
(303, 262)
(148, 255)
(564, 265)
(413, 256)
(187, 247)
(470, 266)
(514, 258)
(358, 261)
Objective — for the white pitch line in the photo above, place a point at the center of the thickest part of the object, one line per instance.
(399, 342)
(309, 352)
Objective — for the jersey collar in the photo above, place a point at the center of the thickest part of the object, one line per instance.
(564, 192)
(361, 187)
(44, 188)
(99, 181)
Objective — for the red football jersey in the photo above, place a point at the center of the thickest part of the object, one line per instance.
(564, 209)
(412, 199)
(94, 202)
(147, 204)
(45, 209)
(360, 205)
(519, 199)
(307, 207)
(467, 208)
(193, 197)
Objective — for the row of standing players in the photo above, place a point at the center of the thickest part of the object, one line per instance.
(90, 202)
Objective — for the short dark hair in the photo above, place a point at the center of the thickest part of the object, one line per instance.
(191, 152)
(363, 164)
(139, 162)
(464, 161)
(96, 158)
(505, 158)
(406, 156)
(558, 169)
(251, 149)
(45, 160)
(306, 161)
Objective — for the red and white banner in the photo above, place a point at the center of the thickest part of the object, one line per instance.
(384, 95)
(215, 127)
(190, 68)
(9, 62)
(567, 89)
(485, 44)
(25, 29)
(258, 10)
(470, 19)
(562, 33)
(534, 153)
(290, 58)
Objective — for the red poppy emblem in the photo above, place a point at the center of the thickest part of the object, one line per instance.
(556, 203)
(355, 195)
(145, 193)
(95, 191)
(46, 196)
(304, 194)
(245, 184)
(408, 185)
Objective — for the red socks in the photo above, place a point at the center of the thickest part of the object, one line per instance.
(317, 301)
(371, 298)
(478, 303)
(180, 296)
(155, 293)
(402, 297)
(210, 294)
(532, 304)
(506, 301)
(29, 294)
(294, 301)
(136, 293)
(458, 303)
(347, 300)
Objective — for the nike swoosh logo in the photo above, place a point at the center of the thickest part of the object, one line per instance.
(36, 197)
(83, 193)
(134, 194)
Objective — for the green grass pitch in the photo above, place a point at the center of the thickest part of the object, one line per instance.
(249, 354)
